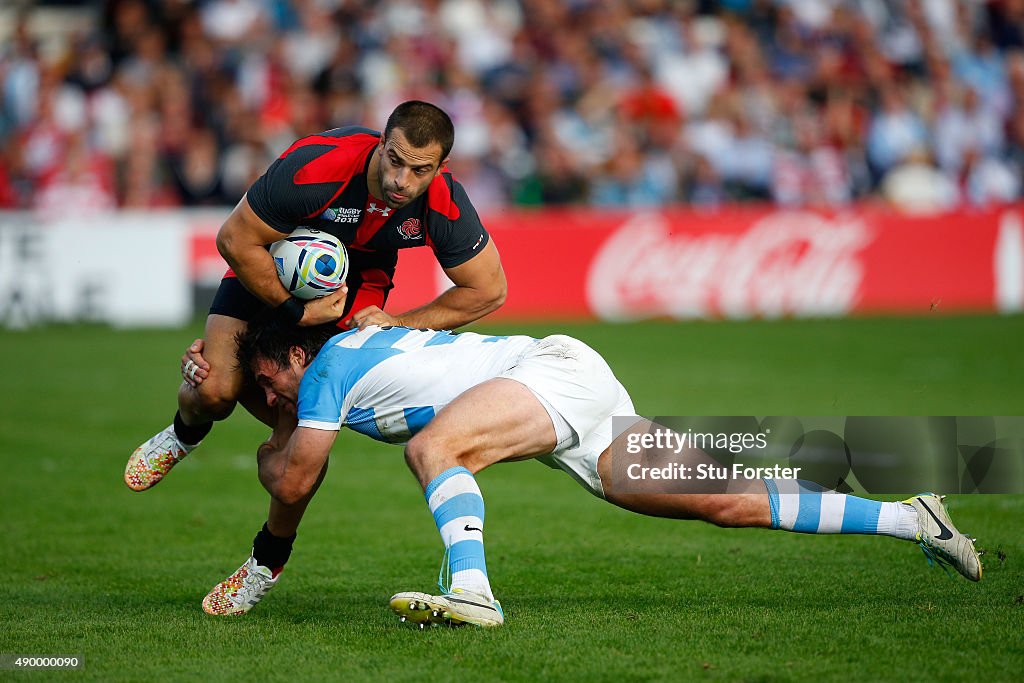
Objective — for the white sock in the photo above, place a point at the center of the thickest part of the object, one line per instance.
(899, 520)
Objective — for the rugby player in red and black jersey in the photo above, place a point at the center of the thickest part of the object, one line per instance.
(378, 193)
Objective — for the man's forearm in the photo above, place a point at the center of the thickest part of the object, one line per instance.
(282, 480)
(290, 470)
(283, 520)
(456, 307)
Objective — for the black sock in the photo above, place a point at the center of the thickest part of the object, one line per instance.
(270, 550)
(190, 435)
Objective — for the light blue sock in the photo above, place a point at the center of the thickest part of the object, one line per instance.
(458, 508)
(807, 508)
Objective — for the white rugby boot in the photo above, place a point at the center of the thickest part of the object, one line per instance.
(240, 592)
(940, 540)
(455, 608)
(154, 459)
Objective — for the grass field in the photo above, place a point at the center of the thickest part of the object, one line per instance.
(591, 592)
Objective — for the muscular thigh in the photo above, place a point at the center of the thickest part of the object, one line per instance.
(496, 421)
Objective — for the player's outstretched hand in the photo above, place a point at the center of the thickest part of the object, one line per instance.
(326, 309)
(194, 368)
(371, 315)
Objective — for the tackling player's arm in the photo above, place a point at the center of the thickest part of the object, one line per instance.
(290, 471)
(480, 288)
(243, 240)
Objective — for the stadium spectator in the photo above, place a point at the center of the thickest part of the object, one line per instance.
(631, 178)
(1015, 146)
(896, 131)
(20, 67)
(747, 163)
(813, 174)
(917, 185)
(703, 187)
(988, 179)
(84, 181)
(646, 106)
(1007, 20)
(964, 125)
(197, 170)
(886, 77)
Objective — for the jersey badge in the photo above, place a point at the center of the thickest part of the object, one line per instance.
(410, 229)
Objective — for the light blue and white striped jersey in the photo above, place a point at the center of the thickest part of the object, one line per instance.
(388, 382)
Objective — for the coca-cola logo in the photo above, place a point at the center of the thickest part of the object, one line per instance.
(786, 263)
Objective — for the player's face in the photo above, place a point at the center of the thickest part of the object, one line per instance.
(406, 171)
(280, 384)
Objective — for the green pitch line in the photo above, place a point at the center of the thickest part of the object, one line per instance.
(592, 592)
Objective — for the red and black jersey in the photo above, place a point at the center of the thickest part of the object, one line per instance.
(320, 182)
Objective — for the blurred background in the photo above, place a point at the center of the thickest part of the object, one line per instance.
(596, 112)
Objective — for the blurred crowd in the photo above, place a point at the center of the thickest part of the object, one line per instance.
(618, 103)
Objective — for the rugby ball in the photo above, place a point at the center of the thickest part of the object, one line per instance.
(310, 263)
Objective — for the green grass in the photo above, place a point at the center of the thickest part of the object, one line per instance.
(592, 592)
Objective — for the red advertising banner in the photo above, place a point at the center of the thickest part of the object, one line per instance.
(738, 263)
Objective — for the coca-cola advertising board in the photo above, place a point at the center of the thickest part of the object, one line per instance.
(561, 264)
(744, 263)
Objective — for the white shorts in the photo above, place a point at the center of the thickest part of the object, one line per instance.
(581, 394)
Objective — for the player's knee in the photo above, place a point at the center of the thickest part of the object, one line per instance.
(417, 454)
(213, 398)
(425, 452)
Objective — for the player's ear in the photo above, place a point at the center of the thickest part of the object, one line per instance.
(442, 165)
(297, 355)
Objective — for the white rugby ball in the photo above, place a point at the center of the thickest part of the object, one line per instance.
(310, 263)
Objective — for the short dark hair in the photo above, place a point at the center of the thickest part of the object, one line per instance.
(274, 341)
(422, 123)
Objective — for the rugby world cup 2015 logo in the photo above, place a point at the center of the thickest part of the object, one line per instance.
(410, 229)
(320, 264)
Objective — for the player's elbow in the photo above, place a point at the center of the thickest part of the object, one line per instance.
(234, 236)
(499, 295)
(492, 297)
(226, 244)
(285, 487)
(268, 478)
(289, 496)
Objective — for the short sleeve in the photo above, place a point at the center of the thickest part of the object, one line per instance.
(455, 230)
(282, 203)
(321, 396)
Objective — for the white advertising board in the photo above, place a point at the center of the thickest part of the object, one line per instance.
(126, 269)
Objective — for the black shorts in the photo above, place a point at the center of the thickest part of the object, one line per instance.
(235, 301)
